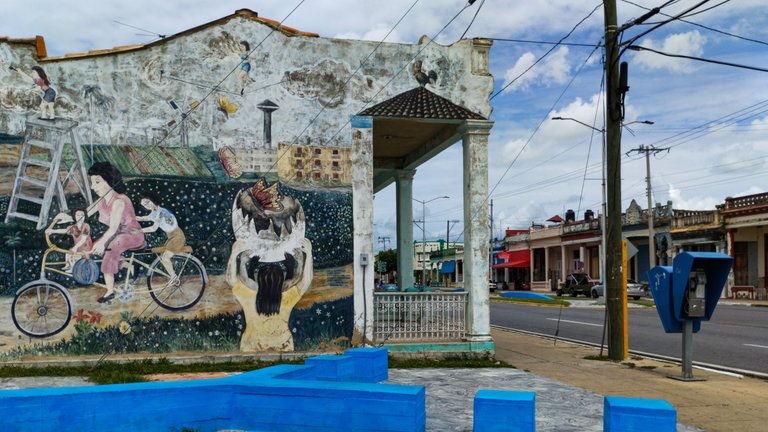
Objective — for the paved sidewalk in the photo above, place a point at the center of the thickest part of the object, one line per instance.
(721, 403)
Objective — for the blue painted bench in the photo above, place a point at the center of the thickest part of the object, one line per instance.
(624, 414)
(328, 393)
(501, 410)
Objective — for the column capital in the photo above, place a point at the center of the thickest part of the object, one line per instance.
(405, 174)
(475, 127)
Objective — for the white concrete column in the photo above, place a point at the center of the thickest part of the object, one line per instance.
(362, 216)
(404, 198)
(563, 263)
(583, 257)
(546, 267)
(477, 234)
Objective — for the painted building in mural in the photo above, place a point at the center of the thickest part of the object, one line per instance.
(152, 207)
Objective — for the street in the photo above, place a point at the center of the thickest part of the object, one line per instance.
(736, 337)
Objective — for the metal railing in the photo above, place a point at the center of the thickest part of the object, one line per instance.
(419, 317)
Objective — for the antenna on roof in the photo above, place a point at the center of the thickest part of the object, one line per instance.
(146, 32)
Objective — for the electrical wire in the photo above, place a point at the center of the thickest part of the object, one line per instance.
(543, 42)
(429, 42)
(719, 62)
(725, 33)
(591, 138)
(548, 53)
(473, 19)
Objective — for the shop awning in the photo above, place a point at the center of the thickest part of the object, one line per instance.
(448, 267)
(515, 259)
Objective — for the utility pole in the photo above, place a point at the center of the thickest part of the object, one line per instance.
(651, 241)
(613, 259)
(448, 224)
(491, 276)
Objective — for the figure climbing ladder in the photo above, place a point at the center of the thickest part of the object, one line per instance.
(53, 136)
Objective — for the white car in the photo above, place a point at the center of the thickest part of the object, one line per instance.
(634, 290)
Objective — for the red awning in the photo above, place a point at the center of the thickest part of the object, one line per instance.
(515, 259)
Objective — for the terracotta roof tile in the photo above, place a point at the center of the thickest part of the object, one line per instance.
(421, 103)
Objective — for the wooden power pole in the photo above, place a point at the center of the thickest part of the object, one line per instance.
(613, 259)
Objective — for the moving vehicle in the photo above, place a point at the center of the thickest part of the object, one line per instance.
(634, 290)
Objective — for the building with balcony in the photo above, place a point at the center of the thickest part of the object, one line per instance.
(306, 164)
(745, 221)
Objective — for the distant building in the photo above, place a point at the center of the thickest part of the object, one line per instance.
(300, 164)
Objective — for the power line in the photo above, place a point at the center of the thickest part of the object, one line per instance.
(736, 65)
(403, 68)
(706, 27)
(547, 53)
(473, 18)
(543, 42)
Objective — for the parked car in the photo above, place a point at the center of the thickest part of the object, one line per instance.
(577, 283)
(492, 285)
(634, 290)
(388, 288)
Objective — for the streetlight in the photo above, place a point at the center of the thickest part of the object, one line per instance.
(424, 236)
(602, 216)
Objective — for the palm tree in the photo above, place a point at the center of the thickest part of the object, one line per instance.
(100, 101)
(12, 241)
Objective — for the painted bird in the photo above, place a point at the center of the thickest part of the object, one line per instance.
(422, 77)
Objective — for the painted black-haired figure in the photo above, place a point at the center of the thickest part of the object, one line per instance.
(117, 213)
(163, 219)
(81, 237)
(49, 94)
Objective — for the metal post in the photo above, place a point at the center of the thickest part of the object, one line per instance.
(687, 360)
(423, 243)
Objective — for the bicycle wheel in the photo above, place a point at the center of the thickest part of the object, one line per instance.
(41, 309)
(180, 292)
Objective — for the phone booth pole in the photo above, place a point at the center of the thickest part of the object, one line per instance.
(687, 363)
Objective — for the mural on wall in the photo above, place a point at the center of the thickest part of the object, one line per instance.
(221, 216)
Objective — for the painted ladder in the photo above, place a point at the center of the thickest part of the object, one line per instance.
(53, 136)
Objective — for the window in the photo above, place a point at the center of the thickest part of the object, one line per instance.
(317, 151)
(317, 176)
(299, 163)
(299, 175)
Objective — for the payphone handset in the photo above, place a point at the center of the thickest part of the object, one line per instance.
(694, 303)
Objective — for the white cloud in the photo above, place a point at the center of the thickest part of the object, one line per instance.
(554, 69)
(688, 202)
(690, 44)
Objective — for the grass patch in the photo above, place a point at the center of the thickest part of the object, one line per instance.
(630, 365)
(118, 373)
(597, 358)
(645, 303)
(648, 367)
(459, 361)
(551, 302)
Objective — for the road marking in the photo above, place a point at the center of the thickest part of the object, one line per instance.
(576, 322)
(756, 346)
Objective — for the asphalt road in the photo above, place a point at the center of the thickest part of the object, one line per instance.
(736, 337)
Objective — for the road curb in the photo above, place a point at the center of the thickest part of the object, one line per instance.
(659, 357)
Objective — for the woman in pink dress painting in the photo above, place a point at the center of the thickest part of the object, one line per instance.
(116, 212)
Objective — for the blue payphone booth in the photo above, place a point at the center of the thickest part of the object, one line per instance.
(687, 293)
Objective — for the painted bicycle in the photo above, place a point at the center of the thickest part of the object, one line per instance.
(43, 307)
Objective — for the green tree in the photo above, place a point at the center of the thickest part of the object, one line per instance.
(389, 257)
(13, 241)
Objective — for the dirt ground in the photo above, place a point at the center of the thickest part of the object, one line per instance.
(721, 403)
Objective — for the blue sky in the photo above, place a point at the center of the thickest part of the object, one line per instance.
(714, 118)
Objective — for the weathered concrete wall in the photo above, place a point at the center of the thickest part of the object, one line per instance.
(234, 192)
(122, 98)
